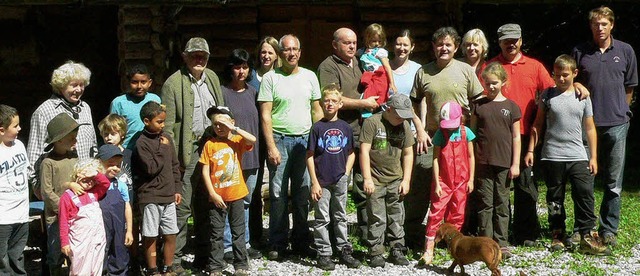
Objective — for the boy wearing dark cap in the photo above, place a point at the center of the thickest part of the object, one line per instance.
(222, 176)
(386, 159)
(116, 212)
(55, 177)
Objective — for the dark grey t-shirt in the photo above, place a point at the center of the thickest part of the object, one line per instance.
(244, 107)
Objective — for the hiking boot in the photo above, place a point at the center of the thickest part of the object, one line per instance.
(609, 239)
(254, 253)
(325, 263)
(529, 243)
(347, 258)
(376, 261)
(573, 241)
(152, 272)
(275, 255)
(215, 273)
(591, 244)
(168, 271)
(506, 252)
(228, 256)
(241, 272)
(178, 270)
(557, 237)
(304, 252)
(397, 256)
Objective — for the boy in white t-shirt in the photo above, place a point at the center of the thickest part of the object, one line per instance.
(14, 194)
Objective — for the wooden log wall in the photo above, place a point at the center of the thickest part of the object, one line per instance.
(156, 35)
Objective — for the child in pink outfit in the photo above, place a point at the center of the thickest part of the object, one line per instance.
(82, 234)
(453, 171)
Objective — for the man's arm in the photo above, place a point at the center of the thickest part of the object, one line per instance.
(273, 155)
(316, 111)
(629, 91)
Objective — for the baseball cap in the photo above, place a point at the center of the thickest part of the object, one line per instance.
(106, 151)
(402, 104)
(450, 114)
(197, 44)
(219, 110)
(509, 31)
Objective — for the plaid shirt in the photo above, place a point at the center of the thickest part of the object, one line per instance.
(86, 145)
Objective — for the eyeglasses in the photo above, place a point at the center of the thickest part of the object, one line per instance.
(289, 50)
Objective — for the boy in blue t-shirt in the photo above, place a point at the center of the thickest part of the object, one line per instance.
(330, 158)
(129, 104)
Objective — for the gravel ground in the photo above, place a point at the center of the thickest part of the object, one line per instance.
(525, 261)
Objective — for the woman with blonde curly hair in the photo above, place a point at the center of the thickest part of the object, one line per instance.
(68, 83)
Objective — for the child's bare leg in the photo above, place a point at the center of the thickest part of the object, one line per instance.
(169, 249)
(149, 245)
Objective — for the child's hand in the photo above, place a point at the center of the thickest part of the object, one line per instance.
(403, 189)
(67, 250)
(470, 186)
(112, 172)
(393, 89)
(514, 171)
(178, 198)
(226, 123)
(76, 188)
(316, 192)
(217, 200)
(164, 140)
(528, 159)
(128, 238)
(369, 188)
(438, 190)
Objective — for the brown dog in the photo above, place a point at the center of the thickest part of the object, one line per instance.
(465, 250)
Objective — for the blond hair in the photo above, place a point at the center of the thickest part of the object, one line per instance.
(86, 167)
(496, 69)
(270, 40)
(602, 12)
(113, 122)
(68, 72)
(565, 61)
(331, 89)
(373, 30)
(476, 36)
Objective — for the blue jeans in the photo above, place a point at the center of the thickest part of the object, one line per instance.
(612, 142)
(292, 168)
(250, 178)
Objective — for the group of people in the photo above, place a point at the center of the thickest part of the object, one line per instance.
(440, 142)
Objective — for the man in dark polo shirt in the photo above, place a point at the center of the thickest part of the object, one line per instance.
(608, 68)
(342, 68)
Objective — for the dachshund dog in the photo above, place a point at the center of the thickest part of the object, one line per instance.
(465, 250)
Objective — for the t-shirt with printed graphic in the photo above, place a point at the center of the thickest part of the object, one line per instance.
(331, 143)
(371, 58)
(14, 188)
(387, 142)
(226, 170)
(494, 145)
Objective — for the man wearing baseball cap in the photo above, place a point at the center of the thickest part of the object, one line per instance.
(527, 77)
(188, 94)
(386, 159)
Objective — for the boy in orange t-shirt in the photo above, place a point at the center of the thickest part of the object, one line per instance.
(222, 175)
